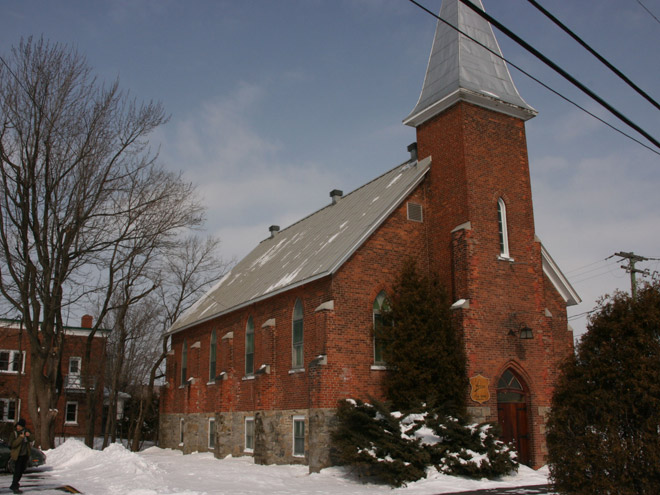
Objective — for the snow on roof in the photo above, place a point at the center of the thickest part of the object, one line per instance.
(311, 248)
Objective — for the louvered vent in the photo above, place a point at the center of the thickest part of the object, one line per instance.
(415, 212)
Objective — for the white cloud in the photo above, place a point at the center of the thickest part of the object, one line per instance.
(243, 179)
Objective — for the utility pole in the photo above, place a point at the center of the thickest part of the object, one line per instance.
(632, 259)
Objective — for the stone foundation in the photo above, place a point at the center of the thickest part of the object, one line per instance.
(273, 435)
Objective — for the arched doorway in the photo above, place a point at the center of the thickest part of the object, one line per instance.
(512, 414)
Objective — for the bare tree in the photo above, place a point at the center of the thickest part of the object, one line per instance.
(77, 176)
(188, 270)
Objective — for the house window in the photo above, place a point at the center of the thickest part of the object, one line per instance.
(73, 379)
(8, 410)
(380, 310)
(212, 356)
(181, 430)
(74, 365)
(249, 434)
(504, 236)
(249, 347)
(71, 417)
(211, 433)
(184, 362)
(299, 436)
(12, 361)
(297, 337)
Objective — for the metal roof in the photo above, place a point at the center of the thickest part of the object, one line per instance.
(312, 248)
(460, 69)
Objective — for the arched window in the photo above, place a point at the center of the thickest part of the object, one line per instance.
(504, 236)
(249, 347)
(509, 388)
(184, 362)
(297, 335)
(212, 356)
(381, 307)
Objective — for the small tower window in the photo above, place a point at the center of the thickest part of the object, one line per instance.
(504, 236)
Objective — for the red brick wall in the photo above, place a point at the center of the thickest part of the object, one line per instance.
(12, 385)
(478, 156)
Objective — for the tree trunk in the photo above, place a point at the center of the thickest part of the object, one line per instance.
(148, 399)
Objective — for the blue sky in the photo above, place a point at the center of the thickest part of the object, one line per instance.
(275, 103)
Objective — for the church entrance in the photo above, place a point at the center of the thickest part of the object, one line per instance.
(512, 414)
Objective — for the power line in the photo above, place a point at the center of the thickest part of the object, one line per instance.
(559, 70)
(649, 12)
(595, 53)
(590, 264)
(535, 79)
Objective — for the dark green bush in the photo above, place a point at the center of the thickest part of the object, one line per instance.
(604, 428)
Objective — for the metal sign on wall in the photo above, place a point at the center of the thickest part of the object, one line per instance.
(479, 392)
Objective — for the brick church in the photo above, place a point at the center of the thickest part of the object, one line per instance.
(258, 364)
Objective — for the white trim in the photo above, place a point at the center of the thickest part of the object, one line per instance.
(326, 306)
(560, 282)
(66, 413)
(248, 419)
(503, 225)
(378, 367)
(12, 358)
(268, 323)
(17, 409)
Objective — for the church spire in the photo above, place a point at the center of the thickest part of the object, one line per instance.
(461, 70)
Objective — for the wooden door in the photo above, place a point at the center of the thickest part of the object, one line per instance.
(512, 417)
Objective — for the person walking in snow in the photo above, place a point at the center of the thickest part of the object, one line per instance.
(20, 444)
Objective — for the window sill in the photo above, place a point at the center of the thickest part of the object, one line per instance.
(248, 377)
(296, 370)
(211, 382)
(379, 367)
(505, 258)
(298, 456)
(67, 423)
(248, 451)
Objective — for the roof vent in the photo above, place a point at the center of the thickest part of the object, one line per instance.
(412, 149)
(336, 195)
(274, 229)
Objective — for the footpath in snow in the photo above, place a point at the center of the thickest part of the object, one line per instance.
(155, 471)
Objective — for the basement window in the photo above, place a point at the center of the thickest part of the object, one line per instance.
(415, 212)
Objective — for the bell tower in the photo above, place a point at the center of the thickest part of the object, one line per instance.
(470, 120)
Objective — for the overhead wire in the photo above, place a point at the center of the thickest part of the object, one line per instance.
(535, 79)
(602, 59)
(649, 12)
(559, 70)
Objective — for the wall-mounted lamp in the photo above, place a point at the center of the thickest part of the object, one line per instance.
(525, 333)
(222, 376)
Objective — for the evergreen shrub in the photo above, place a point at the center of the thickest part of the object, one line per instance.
(604, 427)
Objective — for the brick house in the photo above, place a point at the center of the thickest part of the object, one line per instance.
(15, 377)
(258, 364)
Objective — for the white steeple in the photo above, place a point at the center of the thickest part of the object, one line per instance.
(461, 70)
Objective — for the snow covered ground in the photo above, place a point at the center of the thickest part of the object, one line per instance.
(155, 471)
